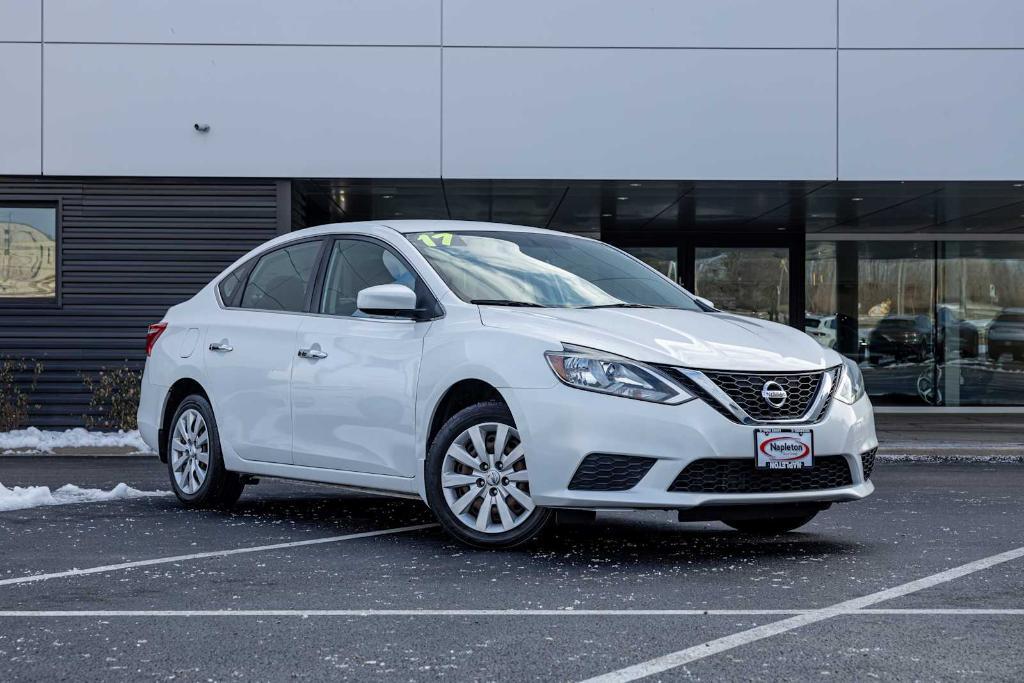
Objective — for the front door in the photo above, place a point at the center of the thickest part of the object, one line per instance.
(354, 394)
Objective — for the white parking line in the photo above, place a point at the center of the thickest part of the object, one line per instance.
(712, 647)
(212, 553)
(496, 612)
(397, 613)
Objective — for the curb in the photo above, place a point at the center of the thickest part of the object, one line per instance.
(83, 452)
(932, 457)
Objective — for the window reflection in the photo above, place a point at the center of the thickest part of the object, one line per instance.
(662, 259)
(981, 322)
(750, 281)
(28, 252)
(895, 299)
(934, 323)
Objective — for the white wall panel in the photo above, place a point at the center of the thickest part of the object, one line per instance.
(931, 115)
(318, 22)
(640, 23)
(552, 113)
(931, 23)
(20, 20)
(19, 112)
(273, 111)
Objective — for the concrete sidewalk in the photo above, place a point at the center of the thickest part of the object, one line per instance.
(935, 438)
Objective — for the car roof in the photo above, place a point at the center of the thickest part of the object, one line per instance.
(420, 225)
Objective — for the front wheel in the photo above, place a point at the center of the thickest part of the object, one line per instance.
(477, 479)
(769, 526)
(194, 460)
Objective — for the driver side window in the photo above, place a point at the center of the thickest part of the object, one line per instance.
(355, 265)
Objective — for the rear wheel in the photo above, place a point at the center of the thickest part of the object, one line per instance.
(770, 525)
(194, 460)
(477, 479)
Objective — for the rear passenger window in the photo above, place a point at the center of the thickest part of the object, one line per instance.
(281, 279)
(230, 285)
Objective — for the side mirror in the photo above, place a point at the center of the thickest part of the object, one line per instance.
(704, 302)
(387, 300)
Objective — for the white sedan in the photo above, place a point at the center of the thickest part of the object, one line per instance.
(500, 373)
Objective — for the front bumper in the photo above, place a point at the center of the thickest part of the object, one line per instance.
(562, 425)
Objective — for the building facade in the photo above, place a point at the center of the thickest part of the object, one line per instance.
(854, 168)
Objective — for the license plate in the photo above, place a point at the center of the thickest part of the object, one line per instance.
(784, 449)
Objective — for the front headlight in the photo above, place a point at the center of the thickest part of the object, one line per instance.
(851, 383)
(610, 374)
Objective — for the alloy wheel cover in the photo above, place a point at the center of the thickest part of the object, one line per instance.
(190, 451)
(484, 478)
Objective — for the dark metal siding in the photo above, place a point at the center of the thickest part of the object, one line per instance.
(130, 249)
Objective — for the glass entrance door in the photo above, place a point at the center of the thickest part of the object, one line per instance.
(751, 281)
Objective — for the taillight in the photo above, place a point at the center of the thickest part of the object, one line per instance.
(152, 334)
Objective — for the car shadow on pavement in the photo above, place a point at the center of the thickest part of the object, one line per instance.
(641, 537)
(695, 544)
(334, 511)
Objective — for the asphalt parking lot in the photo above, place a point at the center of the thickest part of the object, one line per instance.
(923, 581)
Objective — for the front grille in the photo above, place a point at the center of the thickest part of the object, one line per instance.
(698, 391)
(738, 475)
(605, 472)
(867, 459)
(745, 389)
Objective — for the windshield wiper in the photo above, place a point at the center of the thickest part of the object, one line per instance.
(621, 304)
(504, 302)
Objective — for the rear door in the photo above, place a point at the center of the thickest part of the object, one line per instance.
(354, 400)
(251, 348)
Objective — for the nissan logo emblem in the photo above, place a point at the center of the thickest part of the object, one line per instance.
(773, 394)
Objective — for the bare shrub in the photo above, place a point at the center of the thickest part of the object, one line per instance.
(114, 398)
(18, 379)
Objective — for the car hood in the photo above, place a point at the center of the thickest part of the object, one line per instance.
(714, 341)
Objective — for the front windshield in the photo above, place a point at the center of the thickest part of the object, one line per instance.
(540, 269)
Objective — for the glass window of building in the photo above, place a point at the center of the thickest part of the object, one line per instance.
(980, 319)
(665, 260)
(751, 281)
(931, 323)
(874, 301)
(28, 252)
(896, 321)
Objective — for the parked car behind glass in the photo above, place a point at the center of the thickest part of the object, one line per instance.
(902, 338)
(822, 329)
(1006, 334)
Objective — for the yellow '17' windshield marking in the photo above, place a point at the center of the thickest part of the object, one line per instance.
(444, 237)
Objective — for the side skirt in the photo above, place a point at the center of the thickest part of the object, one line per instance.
(405, 487)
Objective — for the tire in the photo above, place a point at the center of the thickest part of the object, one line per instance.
(193, 435)
(498, 514)
(769, 526)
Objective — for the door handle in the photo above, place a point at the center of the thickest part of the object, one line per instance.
(312, 353)
(220, 346)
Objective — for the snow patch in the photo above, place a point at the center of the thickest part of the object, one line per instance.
(22, 497)
(45, 441)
